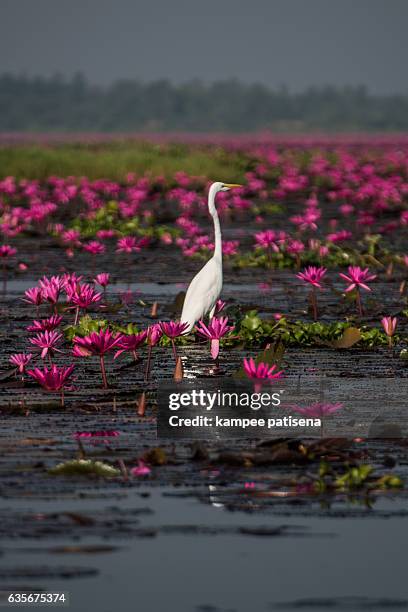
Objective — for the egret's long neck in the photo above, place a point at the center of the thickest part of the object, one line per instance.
(217, 234)
(217, 227)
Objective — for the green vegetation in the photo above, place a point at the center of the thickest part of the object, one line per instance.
(116, 159)
(254, 331)
(353, 478)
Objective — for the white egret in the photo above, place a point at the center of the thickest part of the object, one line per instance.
(205, 288)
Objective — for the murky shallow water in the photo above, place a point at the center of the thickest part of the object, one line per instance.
(322, 558)
(194, 552)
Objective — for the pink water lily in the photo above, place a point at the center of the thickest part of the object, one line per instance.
(389, 325)
(358, 278)
(215, 330)
(34, 296)
(94, 247)
(21, 360)
(128, 244)
(131, 343)
(141, 469)
(313, 275)
(154, 333)
(7, 251)
(47, 343)
(261, 372)
(51, 289)
(96, 343)
(102, 279)
(45, 324)
(53, 379)
(83, 297)
(172, 330)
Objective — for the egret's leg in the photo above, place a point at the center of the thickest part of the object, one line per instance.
(212, 311)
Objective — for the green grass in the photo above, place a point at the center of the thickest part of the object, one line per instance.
(115, 160)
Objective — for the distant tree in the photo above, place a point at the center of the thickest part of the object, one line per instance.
(56, 103)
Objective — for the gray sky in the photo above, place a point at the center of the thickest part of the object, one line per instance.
(296, 42)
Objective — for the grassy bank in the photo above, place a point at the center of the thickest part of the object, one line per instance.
(114, 160)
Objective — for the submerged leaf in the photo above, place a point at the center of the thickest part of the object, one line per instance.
(351, 336)
(85, 467)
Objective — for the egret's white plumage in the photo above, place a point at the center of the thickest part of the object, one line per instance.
(205, 288)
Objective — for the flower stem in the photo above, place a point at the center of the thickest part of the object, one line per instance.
(173, 344)
(103, 371)
(313, 299)
(76, 315)
(359, 304)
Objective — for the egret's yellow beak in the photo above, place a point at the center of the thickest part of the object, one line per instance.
(231, 185)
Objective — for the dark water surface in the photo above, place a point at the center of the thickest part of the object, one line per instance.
(320, 561)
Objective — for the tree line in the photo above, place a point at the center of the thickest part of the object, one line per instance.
(74, 104)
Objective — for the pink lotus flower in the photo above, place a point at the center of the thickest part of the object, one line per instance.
(84, 296)
(51, 288)
(141, 469)
(102, 279)
(21, 360)
(173, 330)
(230, 247)
(47, 342)
(94, 247)
(128, 244)
(295, 247)
(358, 278)
(312, 275)
(70, 281)
(96, 343)
(7, 251)
(45, 324)
(261, 370)
(54, 379)
(33, 296)
(216, 329)
(267, 240)
(71, 237)
(131, 343)
(154, 333)
(389, 325)
(317, 410)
